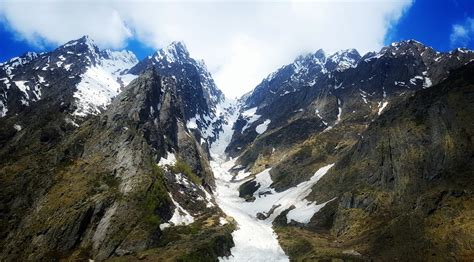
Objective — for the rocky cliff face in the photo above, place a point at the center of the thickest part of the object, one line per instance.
(404, 189)
(312, 103)
(132, 178)
(383, 119)
(200, 98)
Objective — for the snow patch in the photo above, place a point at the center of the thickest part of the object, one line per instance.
(400, 83)
(41, 79)
(70, 121)
(170, 160)
(281, 201)
(208, 197)
(414, 79)
(95, 91)
(191, 124)
(228, 109)
(260, 129)
(116, 62)
(249, 112)
(382, 107)
(222, 221)
(182, 180)
(100, 83)
(363, 95)
(254, 239)
(251, 116)
(426, 80)
(3, 109)
(339, 111)
(180, 216)
(304, 211)
(374, 56)
(24, 89)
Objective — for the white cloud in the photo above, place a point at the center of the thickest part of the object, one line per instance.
(241, 41)
(461, 34)
(61, 21)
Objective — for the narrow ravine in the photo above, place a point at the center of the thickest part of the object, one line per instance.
(254, 239)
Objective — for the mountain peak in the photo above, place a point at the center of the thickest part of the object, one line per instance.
(83, 46)
(404, 45)
(350, 51)
(343, 59)
(173, 53)
(126, 56)
(461, 50)
(85, 41)
(178, 45)
(319, 55)
(407, 42)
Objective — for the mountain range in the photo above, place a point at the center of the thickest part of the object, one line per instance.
(333, 156)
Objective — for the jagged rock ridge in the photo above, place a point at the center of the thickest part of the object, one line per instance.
(383, 120)
(115, 181)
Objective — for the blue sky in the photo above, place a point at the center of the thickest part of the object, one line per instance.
(431, 22)
(240, 41)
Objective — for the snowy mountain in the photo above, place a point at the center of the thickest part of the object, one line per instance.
(203, 103)
(305, 71)
(325, 147)
(113, 166)
(333, 156)
(78, 74)
(342, 60)
(83, 80)
(191, 74)
(343, 85)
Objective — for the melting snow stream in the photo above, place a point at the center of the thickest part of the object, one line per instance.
(255, 239)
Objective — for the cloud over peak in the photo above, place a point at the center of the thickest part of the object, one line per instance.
(241, 41)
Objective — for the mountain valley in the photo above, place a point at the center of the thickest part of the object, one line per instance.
(333, 157)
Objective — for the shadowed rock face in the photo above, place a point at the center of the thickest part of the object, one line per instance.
(396, 128)
(405, 188)
(323, 114)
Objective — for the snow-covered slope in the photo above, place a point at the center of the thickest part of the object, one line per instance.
(254, 240)
(103, 80)
(77, 74)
